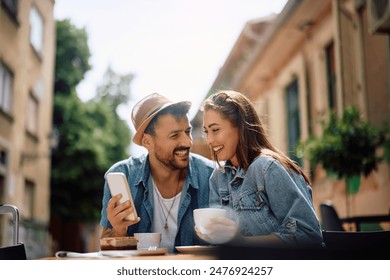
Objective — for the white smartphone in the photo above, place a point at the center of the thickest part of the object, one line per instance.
(117, 183)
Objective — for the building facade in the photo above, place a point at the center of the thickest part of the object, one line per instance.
(27, 54)
(313, 58)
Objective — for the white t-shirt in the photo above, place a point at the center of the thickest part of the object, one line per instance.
(165, 211)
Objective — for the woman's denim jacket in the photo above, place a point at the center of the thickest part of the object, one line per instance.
(267, 199)
(195, 194)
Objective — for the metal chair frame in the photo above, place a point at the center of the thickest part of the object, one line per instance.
(17, 251)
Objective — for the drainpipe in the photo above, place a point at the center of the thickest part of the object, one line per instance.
(338, 54)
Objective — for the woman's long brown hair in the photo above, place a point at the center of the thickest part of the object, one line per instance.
(253, 140)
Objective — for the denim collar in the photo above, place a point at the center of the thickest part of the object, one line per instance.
(235, 171)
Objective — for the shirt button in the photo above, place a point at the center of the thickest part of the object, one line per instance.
(257, 202)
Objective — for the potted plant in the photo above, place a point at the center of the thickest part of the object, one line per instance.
(348, 148)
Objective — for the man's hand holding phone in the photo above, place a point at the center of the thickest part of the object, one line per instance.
(121, 211)
(116, 213)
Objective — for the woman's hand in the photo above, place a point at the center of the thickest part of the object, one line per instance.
(219, 230)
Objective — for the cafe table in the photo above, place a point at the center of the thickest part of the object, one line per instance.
(191, 253)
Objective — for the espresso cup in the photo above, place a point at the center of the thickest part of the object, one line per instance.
(147, 240)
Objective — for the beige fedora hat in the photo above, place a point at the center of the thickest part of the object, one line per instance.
(148, 107)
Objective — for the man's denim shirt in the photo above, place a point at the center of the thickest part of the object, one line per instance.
(195, 194)
(267, 199)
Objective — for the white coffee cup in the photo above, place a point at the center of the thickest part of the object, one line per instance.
(147, 240)
(202, 217)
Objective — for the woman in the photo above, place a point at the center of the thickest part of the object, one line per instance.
(268, 193)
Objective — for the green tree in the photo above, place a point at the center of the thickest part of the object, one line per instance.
(73, 54)
(115, 88)
(91, 135)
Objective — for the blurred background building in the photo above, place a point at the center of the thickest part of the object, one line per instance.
(313, 58)
(27, 51)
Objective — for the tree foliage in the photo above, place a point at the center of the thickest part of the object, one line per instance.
(115, 88)
(73, 54)
(91, 135)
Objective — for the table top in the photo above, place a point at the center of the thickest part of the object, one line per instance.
(184, 253)
(155, 257)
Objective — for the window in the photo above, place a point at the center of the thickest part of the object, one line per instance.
(36, 30)
(331, 76)
(28, 199)
(3, 172)
(293, 119)
(2, 201)
(32, 115)
(6, 84)
(3, 157)
(2, 189)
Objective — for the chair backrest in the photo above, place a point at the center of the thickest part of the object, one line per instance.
(259, 252)
(329, 217)
(357, 244)
(17, 251)
(14, 252)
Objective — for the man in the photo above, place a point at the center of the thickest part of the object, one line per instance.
(167, 184)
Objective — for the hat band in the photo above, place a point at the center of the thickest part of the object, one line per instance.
(155, 110)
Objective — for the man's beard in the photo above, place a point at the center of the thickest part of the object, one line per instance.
(174, 162)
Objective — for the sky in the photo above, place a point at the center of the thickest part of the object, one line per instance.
(173, 47)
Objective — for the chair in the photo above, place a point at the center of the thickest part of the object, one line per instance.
(330, 218)
(245, 249)
(332, 222)
(373, 245)
(340, 245)
(17, 251)
(254, 252)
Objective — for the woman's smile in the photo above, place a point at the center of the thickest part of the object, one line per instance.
(216, 149)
